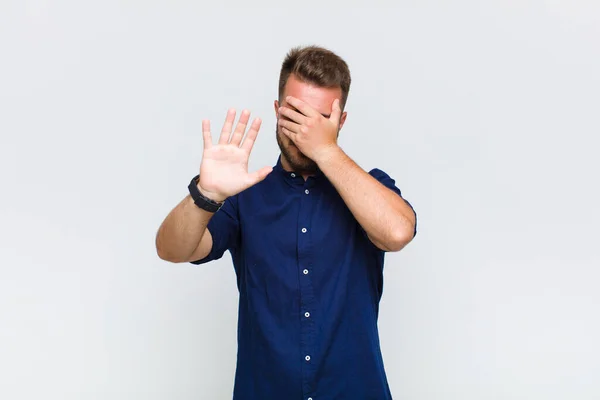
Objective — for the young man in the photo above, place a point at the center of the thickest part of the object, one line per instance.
(307, 239)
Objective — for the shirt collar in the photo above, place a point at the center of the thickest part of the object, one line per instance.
(292, 176)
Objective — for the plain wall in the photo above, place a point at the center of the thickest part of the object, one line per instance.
(486, 113)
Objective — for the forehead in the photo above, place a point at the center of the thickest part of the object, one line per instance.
(318, 98)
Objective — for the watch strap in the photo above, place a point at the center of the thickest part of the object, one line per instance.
(200, 200)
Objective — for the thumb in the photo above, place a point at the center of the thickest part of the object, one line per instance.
(260, 175)
(336, 111)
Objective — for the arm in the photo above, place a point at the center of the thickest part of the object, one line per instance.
(183, 237)
(386, 218)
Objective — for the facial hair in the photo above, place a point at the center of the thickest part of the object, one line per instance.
(297, 161)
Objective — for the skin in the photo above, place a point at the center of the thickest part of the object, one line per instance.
(320, 99)
(309, 119)
(183, 237)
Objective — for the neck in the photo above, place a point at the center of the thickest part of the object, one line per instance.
(285, 164)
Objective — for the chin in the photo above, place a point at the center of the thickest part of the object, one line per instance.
(303, 164)
(298, 161)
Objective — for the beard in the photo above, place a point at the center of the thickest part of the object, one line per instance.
(296, 159)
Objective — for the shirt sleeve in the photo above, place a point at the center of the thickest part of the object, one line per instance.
(224, 227)
(390, 183)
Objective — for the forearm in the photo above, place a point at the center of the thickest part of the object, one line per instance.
(183, 234)
(387, 219)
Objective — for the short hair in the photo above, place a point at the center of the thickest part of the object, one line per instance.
(318, 66)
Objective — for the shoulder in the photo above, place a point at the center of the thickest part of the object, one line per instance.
(259, 194)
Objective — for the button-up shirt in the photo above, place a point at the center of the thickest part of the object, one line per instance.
(309, 282)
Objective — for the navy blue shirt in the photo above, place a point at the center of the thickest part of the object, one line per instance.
(310, 282)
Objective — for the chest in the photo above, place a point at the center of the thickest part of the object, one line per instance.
(295, 223)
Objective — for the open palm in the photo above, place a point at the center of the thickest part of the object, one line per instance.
(224, 167)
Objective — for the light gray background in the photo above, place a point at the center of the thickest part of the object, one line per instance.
(486, 114)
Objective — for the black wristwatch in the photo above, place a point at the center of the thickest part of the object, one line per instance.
(200, 200)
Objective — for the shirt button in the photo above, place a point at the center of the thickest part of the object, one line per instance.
(303, 230)
(307, 358)
(307, 191)
(307, 314)
(293, 175)
(305, 272)
(310, 398)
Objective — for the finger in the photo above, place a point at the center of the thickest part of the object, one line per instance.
(206, 135)
(240, 128)
(250, 138)
(259, 175)
(336, 112)
(301, 106)
(227, 126)
(293, 115)
(289, 134)
(289, 125)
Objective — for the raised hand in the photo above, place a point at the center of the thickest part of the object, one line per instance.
(224, 167)
(313, 133)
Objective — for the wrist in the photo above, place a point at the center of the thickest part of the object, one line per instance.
(211, 195)
(202, 200)
(327, 153)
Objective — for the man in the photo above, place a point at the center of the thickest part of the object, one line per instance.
(307, 240)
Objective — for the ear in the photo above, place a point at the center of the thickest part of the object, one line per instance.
(343, 119)
(276, 105)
